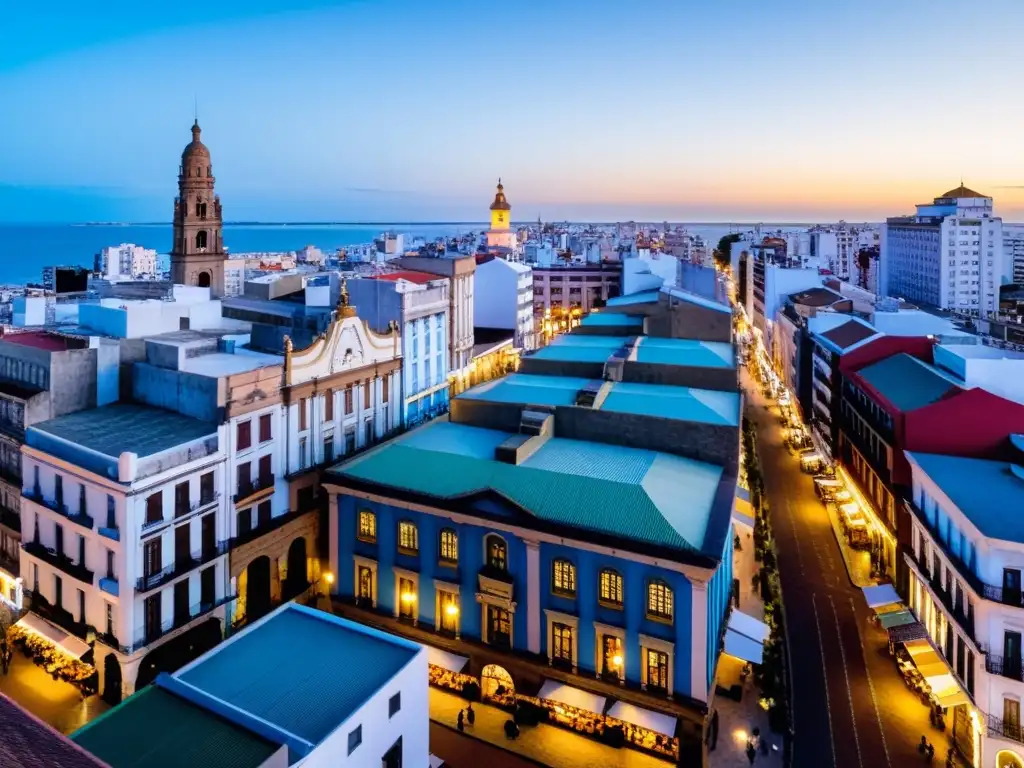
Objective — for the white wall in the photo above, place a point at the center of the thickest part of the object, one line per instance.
(496, 294)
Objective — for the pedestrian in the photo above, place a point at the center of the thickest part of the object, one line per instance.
(460, 724)
(751, 751)
(923, 745)
(471, 714)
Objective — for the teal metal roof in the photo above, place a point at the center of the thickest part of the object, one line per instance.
(155, 727)
(301, 670)
(580, 349)
(644, 297)
(706, 354)
(529, 390)
(696, 298)
(669, 402)
(612, 318)
(643, 496)
(989, 493)
(906, 382)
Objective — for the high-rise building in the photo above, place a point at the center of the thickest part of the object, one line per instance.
(948, 255)
(126, 260)
(1013, 251)
(197, 252)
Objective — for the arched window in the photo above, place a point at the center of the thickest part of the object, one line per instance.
(367, 526)
(497, 553)
(563, 578)
(610, 587)
(201, 209)
(449, 549)
(659, 600)
(408, 538)
(201, 238)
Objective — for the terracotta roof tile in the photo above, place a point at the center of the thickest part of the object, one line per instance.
(849, 333)
(27, 742)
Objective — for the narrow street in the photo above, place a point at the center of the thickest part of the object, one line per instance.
(851, 708)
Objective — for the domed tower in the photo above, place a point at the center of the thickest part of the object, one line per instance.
(197, 253)
(500, 235)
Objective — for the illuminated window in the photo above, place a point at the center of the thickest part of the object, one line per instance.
(657, 670)
(408, 538)
(659, 600)
(561, 642)
(611, 587)
(367, 525)
(497, 553)
(563, 579)
(448, 604)
(449, 546)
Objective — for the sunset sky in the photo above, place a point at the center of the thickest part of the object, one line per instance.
(734, 110)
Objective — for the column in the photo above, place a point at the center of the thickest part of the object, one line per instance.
(533, 596)
(699, 644)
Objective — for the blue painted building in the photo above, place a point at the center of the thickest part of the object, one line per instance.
(569, 530)
(418, 303)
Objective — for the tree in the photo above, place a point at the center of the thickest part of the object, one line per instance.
(723, 253)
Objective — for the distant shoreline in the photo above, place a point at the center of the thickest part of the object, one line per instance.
(393, 224)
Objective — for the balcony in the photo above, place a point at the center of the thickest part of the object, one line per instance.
(10, 475)
(271, 525)
(114, 534)
(179, 567)
(9, 564)
(60, 617)
(10, 518)
(204, 501)
(109, 585)
(1003, 729)
(148, 635)
(35, 495)
(247, 491)
(964, 617)
(60, 561)
(1004, 666)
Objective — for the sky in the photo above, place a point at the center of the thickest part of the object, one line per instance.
(405, 110)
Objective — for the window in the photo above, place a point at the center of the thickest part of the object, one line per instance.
(394, 704)
(206, 492)
(244, 522)
(563, 579)
(152, 557)
(329, 405)
(561, 643)
(348, 399)
(355, 738)
(408, 538)
(181, 501)
(303, 441)
(181, 609)
(110, 564)
(657, 670)
(659, 600)
(367, 393)
(448, 604)
(208, 586)
(367, 526)
(266, 428)
(611, 588)
(244, 439)
(449, 546)
(110, 619)
(1011, 718)
(263, 513)
(384, 388)
(111, 512)
(407, 598)
(244, 471)
(329, 448)
(364, 595)
(302, 413)
(151, 616)
(58, 490)
(497, 553)
(265, 473)
(499, 627)
(611, 656)
(155, 508)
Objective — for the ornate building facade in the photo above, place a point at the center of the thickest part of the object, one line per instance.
(500, 235)
(197, 253)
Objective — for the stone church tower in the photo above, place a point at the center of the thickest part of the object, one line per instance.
(197, 253)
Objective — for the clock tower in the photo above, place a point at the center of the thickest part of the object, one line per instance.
(500, 235)
(197, 252)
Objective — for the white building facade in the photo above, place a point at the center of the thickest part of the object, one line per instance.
(1013, 250)
(504, 299)
(127, 261)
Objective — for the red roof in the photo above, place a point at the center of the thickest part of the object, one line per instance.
(51, 342)
(420, 278)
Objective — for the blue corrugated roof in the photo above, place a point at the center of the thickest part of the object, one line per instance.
(989, 493)
(612, 318)
(906, 382)
(695, 298)
(669, 402)
(707, 354)
(580, 349)
(529, 390)
(644, 297)
(634, 494)
(301, 670)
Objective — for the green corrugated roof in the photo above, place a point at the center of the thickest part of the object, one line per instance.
(303, 671)
(639, 495)
(906, 382)
(157, 728)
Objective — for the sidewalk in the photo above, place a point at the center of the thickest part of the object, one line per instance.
(55, 702)
(545, 744)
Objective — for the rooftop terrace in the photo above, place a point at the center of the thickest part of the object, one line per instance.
(582, 486)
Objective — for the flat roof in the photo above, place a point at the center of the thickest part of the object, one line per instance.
(989, 493)
(217, 364)
(705, 354)
(301, 670)
(982, 352)
(45, 340)
(112, 429)
(580, 349)
(660, 400)
(155, 727)
(696, 298)
(572, 483)
(612, 318)
(420, 278)
(644, 297)
(28, 742)
(908, 383)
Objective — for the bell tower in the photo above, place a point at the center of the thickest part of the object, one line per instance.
(197, 252)
(500, 235)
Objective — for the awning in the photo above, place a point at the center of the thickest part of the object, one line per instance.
(936, 672)
(880, 595)
(896, 619)
(450, 661)
(907, 632)
(827, 482)
(809, 457)
(553, 690)
(745, 637)
(645, 718)
(68, 643)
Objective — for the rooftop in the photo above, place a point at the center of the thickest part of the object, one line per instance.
(986, 491)
(962, 191)
(112, 429)
(644, 297)
(580, 349)
(18, 390)
(579, 485)
(301, 670)
(420, 278)
(26, 742)
(696, 298)
(155, 727)
(848, 334)
(613, 319)
(982, 352)
(690, 352)
(663, 401)
(815, 297)
(908, 383)
(45, 340)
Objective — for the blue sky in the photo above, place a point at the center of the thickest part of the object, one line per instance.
(393, 109)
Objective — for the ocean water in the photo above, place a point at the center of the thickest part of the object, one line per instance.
(26, 249)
